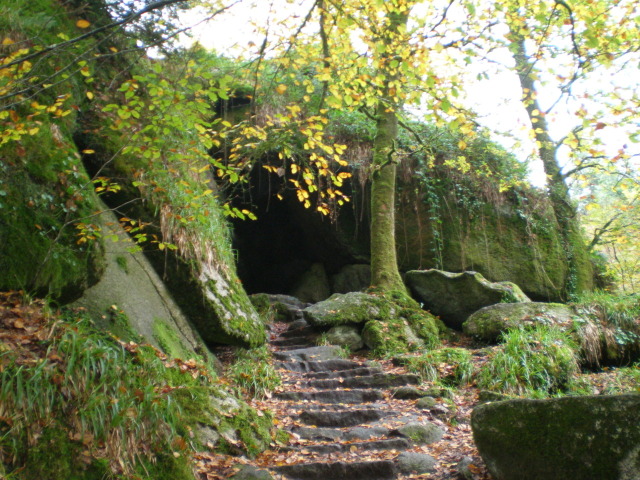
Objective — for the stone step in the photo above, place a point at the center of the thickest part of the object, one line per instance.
(310, 354)
(337, 364)
(343, 418)
(385, 444)
(300, 341)
(375, 470)
(299, 332)
(324, 434)
(333, 396)
(295, 346)
(380, 380)
(355, 372)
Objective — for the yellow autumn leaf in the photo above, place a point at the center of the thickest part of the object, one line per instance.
(90, 95)
(83, 24)
(281, 88)
(7, 41)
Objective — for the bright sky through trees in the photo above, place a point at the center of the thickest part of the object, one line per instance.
(495, 98)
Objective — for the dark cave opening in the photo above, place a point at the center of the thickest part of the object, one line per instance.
(277, 249)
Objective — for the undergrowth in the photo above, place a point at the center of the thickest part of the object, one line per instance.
(617, 318)
(446, 366)
(253, 372)
(535, 361)
(78, 403)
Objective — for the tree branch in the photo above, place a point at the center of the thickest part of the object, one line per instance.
(128, 19)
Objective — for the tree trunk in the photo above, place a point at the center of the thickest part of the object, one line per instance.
(384, 264)
(561, 202)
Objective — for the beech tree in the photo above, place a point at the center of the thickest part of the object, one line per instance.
(584, 39)
(375, 57)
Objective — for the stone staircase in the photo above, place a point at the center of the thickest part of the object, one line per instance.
(348, 419)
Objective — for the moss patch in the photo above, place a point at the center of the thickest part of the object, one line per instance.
(169, 341)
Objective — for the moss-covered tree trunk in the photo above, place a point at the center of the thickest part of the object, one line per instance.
(384, 264)
(563, 207)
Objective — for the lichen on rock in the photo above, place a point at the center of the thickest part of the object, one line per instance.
(560, 438)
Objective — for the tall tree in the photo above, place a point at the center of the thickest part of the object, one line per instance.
(562, 47)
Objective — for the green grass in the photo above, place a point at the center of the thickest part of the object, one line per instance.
(614, 321)
(253, 373)
(78, 404)
(89, 388)
(535, 362)
(446, 366)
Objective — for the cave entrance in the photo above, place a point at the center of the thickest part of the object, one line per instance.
(275, 251)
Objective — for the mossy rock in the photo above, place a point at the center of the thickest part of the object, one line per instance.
(560, 438)
(41, 253)
(490, 322)
(349, 308)
(391, 337)
(345, 335)
(455, 296)
(226, 422)
(132, 301)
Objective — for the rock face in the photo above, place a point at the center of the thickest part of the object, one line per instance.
(560, 439)
(489, 322)
(455, 296)
(144, 306)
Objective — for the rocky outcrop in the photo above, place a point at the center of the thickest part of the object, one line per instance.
(505, 236)
(559, 439)
(455, 296)
(130, 299)
(489, 322)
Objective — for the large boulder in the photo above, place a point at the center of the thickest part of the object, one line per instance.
(348, 308)
(130, 299)
(455, 296)
(390, 325)
(490, 322)
(351, 278)
(558, 439)
(313, 286)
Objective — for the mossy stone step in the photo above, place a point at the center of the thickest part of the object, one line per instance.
(376, 470)
(343, 418)
(380, 380)
(324, 434)
(333, 396)
(310, 354)
(384, 444)
(355, 372)
(318, 366)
